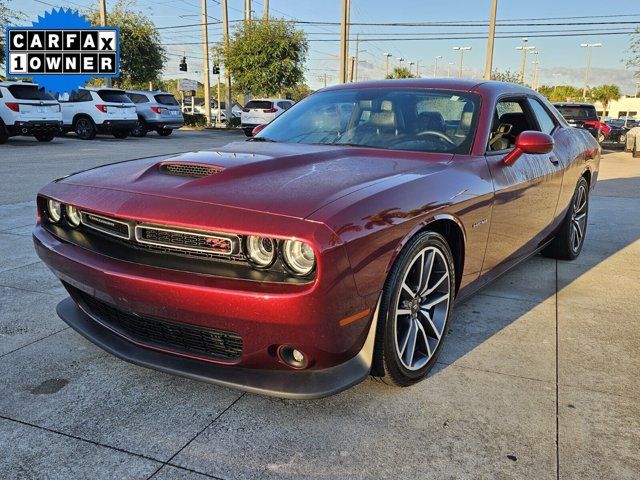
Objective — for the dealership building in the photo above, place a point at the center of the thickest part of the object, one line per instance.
(624, 107)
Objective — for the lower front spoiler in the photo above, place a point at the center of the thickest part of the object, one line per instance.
(302, 385)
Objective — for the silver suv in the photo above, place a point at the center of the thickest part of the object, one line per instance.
(157, 111)
(27, 110)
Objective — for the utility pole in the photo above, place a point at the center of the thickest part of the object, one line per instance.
(524, 48)
(265, 12)
(227, 73)
(103, 23)
(205, 60)
(247, 11)
(435, 70)
(492, 35)
(344, 41)
(461, 50)
(388, 56)
(589, 47)
(357, 61)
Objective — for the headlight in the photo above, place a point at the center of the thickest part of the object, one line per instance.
(261, 250)
(299, 256)
(73, 215)
(54, 209)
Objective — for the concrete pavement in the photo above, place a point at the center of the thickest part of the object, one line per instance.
(538, 378)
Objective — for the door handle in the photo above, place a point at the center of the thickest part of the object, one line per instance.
(554, 160)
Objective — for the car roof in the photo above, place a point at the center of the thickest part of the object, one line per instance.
(98, 89)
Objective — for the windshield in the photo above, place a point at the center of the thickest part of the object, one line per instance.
(587, 113)
(401, 119)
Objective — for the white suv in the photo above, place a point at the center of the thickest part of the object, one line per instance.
(93, 110)
(27, 110)
(262, 111)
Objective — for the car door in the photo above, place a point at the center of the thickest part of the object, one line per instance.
(526, 192)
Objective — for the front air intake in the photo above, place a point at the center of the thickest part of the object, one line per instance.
(187, 169)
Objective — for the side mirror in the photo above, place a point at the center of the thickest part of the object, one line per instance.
(535, 143)
(258, 129)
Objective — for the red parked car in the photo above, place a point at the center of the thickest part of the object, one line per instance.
(331, 246)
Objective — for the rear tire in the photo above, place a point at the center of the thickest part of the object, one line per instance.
(165, 132)
(415, 310)
(4, 135)
(44, 137)
(568, 243)
(85, 128)
(120, 133)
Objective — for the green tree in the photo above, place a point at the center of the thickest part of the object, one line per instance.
(604, 94)
(633, 61)
(142, 55)
(506, 76)
(266, 58)
(297, 92)
(401, 72)
(561, 93)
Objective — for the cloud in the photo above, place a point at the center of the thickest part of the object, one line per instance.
(575, 76)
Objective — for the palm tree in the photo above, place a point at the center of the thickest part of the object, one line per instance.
(604, 94)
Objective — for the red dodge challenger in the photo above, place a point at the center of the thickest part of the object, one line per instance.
(331, 246)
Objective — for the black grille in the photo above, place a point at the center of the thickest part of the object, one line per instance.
(189, 169)
(180, 239)
(106, 225)
(154, 332)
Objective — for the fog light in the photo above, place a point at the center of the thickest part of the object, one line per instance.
(54, 209)
(293, 357)
(73, 215)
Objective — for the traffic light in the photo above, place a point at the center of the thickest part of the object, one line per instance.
(216, 69)
(183, 64)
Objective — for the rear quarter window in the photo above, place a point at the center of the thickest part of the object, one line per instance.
(29, 92)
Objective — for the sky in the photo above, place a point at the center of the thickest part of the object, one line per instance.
(561, 58)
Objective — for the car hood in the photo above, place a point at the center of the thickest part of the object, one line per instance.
(286, 179)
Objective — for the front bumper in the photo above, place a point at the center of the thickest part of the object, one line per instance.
(305, 384)
(33, 127)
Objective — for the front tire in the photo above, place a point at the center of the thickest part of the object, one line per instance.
(44, 137)
(568, 243)
(165, 132)
(121, 133)
(416, 306)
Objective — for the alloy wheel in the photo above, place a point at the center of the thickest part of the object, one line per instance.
(579, 218)
(422, 308)
(83, 128)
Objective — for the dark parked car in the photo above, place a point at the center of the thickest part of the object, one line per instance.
(583, 115)
(618, 132)
(332, 245)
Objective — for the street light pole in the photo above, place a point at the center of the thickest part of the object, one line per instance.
(205, 60)
(227, 73)
(589, 47)
(400, 60)
(524, 48)
(534, 75)
(388, 56)
(461, 50)
(449, 69)
(435, 70)
(492, 35)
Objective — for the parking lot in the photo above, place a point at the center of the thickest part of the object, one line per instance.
(538, 379)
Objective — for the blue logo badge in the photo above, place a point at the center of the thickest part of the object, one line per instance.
(62, 51)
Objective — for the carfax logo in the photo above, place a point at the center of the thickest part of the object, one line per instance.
(62, 51)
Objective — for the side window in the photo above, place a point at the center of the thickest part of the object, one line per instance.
(510, 120)
(544, 120)
(284, 105)
(81, 96)
(138, 98)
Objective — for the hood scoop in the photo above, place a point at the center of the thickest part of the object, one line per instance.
(189, 169)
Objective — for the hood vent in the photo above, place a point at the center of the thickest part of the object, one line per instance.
(188, 169)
